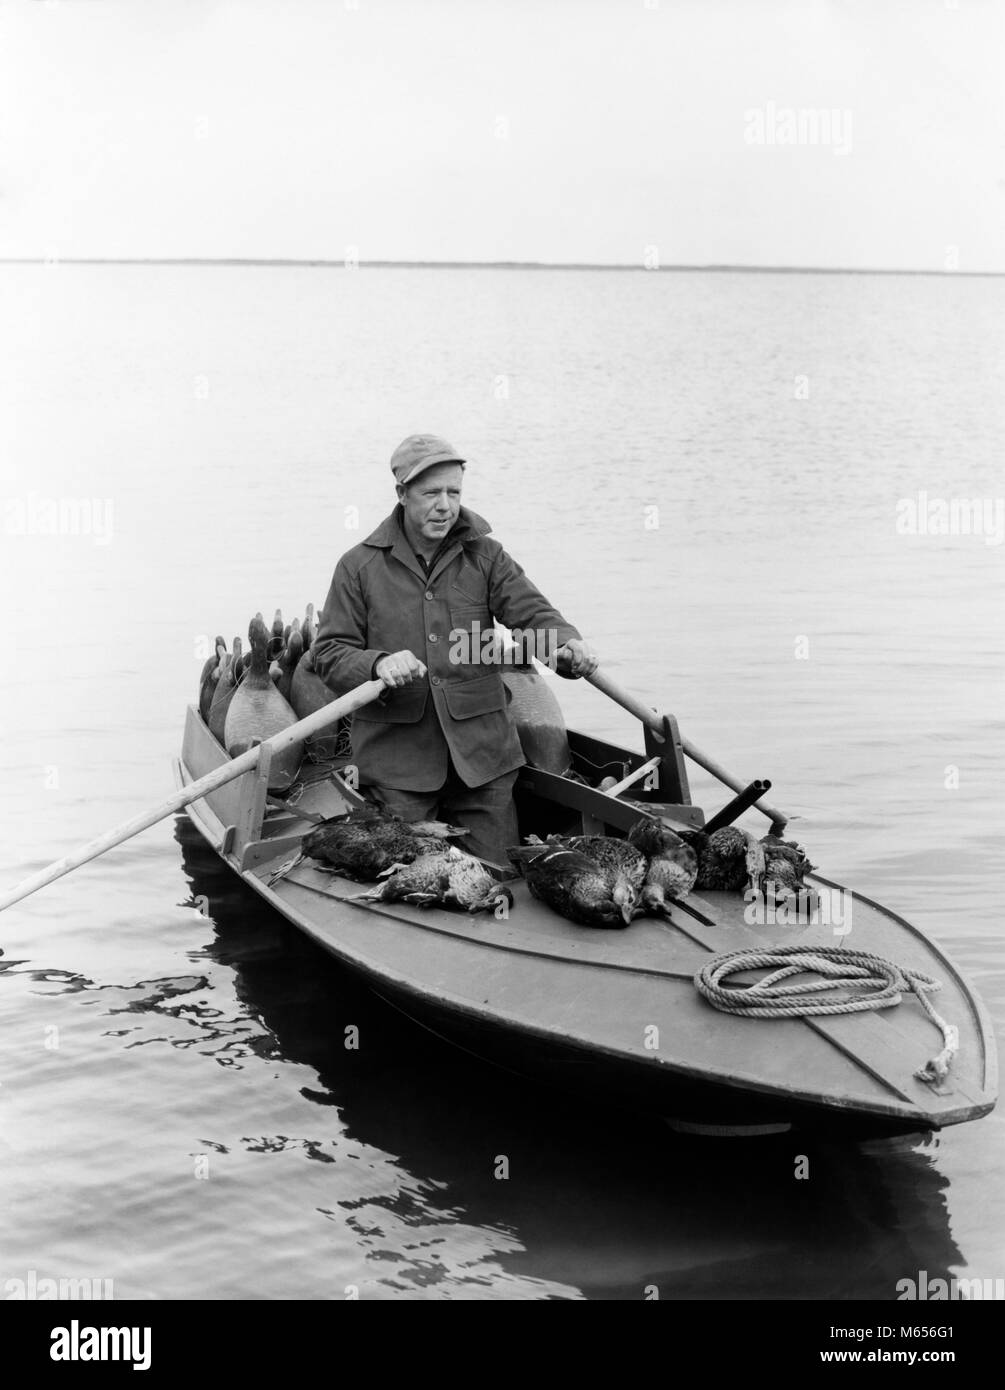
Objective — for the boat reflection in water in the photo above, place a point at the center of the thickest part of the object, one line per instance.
(471, 1183)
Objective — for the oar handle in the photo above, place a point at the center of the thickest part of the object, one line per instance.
(654, 721)
(227, 772)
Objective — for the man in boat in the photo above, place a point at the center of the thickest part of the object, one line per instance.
(413, 606)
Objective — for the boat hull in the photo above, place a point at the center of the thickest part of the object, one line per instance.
(614, 1015)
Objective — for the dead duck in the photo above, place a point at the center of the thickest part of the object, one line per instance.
(617, 856)
(722, 861)
(447, 878)
(730, 860)
(224, 692)
(367, 841)
(576, 885)
(209, 677)
(672, 866)
(785, 866)
(257, 711)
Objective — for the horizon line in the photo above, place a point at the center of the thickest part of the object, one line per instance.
(322, 263)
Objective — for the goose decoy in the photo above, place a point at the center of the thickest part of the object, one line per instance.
(209, 677)
(576, 886)
(257, 711)
(308, 693)
(367, 841)
(448, 878)
(309, 628)
(672, 863)
(222, 696)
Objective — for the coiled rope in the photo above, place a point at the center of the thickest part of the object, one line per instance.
(883, 982)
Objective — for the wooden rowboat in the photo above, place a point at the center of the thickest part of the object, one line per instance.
(615, 1015)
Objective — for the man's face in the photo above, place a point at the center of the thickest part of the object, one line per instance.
(433, 500)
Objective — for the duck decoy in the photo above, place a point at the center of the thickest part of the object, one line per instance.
(222, 696)
(367, 841)
(275, 642)
(287, 663)
(309, 693)
(257, 711)
(309, 628)
(209, 677)
(448, 878)
(242, 663)
(576, 886)
(538, 718)
(672, 868)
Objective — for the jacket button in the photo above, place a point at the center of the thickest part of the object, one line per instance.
(429, 593)
(433, 637)
(435, 680)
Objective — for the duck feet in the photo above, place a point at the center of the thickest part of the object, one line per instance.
(284, 869)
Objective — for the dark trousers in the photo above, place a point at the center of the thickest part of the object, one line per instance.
(487, 812)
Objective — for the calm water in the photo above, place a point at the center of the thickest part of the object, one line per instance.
(230, 417)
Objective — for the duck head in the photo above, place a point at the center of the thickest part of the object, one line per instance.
(626, 897)
(439, 829)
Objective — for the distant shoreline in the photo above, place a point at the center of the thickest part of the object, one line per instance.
(287, 262)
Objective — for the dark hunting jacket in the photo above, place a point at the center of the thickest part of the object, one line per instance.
(381, 601)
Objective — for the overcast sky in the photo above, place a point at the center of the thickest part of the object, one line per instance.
(551, 130)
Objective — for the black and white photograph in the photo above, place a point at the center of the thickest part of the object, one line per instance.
(502, 522)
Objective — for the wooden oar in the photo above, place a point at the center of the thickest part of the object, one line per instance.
(654, 721)
(296, 733)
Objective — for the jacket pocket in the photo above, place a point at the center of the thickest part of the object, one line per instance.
(467, 614)
(468, 587)
(483, 695)
(404, 706)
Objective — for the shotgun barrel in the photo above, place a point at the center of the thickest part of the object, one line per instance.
(737, 806)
